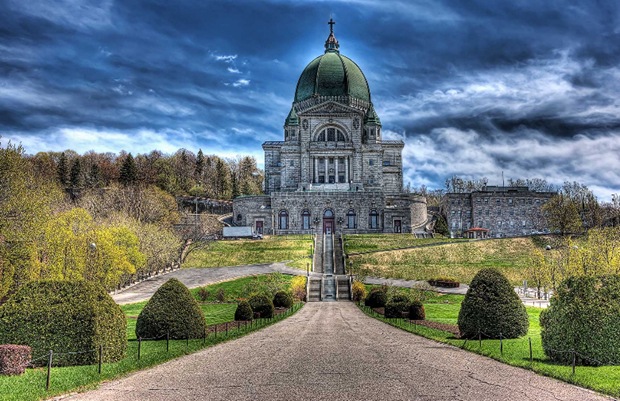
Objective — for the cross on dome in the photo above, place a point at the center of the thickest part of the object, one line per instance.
(331, 44)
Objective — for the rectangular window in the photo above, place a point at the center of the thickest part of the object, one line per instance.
(386, 162)
(374, 221)
(351, 221)
(305, 222)
(292, 163)
(371, 162)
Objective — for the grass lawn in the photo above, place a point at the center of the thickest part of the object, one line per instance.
(459, 260)
(31, 385)
(445, 309)
(294, 248)
(375, 242)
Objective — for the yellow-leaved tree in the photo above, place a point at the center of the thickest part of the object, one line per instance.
(117, 254)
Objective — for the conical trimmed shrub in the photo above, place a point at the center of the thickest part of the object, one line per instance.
(244, 311)
(172, 309)
(492, 308)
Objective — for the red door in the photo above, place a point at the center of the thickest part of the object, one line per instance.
(397, 226)
(259, 227)
(328, 226)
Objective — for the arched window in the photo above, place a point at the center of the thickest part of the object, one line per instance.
(328, 213)
(283, 220)
(331, 135)
(373, 221)
(351, 223)
(305, 220)
(239, 217)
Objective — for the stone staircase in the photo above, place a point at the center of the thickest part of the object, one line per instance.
(314, 289)
(328, 281)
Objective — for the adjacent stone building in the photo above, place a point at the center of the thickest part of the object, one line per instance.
(333, 171)
(495, 212)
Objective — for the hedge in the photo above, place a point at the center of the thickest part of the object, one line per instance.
(584, 317)
(66, 317)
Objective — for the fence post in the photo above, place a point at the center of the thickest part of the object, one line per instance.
(139, 346)
(226, 329)
(204, 337)
(186, 342)
(501, 345)
(168, 341)
(479, 339)
(531, 355)
(574, 357)
(216, 331)
(49, 371)
(100, 358)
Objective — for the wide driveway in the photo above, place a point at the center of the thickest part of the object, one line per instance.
(332, 351)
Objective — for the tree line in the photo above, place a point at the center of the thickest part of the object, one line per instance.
(182, 173)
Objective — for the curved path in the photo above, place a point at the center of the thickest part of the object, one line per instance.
(198, 277)
(332, 351)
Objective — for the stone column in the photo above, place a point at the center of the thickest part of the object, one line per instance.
(326, 170)
(316, 170)
(337, 162)
(346, 169)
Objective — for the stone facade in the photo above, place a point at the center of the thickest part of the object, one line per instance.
(333, 171)
(504, 211)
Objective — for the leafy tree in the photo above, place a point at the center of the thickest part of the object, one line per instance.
(562, 215)
(128, 173)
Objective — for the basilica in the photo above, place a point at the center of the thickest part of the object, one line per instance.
(333, 172)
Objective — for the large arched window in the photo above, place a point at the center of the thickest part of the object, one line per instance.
(305, 220)
(373, 220)
(351, 217)
(331, 135)
(328, 213)
(283, 220)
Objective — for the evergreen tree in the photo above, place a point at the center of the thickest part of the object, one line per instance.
(62, 170)
(129, 172)
(200, 164)
(94, 178)
(76, 174)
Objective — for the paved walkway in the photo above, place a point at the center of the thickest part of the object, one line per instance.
(198, 277)
(332, 351)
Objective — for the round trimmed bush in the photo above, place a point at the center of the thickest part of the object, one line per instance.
(66, 317)
(583, 317)
(172, 309)
(492, 308)
(377, 298)
(282, 299)
(262, 306)
(244, 311)
(397, 306)
(416, 311)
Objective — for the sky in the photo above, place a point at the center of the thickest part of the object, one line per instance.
(529, 89)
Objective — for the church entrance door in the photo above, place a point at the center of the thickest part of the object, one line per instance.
(328, 222)
(259, 227)
(397, 226)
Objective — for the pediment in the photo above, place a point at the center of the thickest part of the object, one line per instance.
(329, 108)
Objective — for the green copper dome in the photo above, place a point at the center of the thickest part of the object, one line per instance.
(332, 74)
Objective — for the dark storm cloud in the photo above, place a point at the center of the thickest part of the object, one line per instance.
(475, 87)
